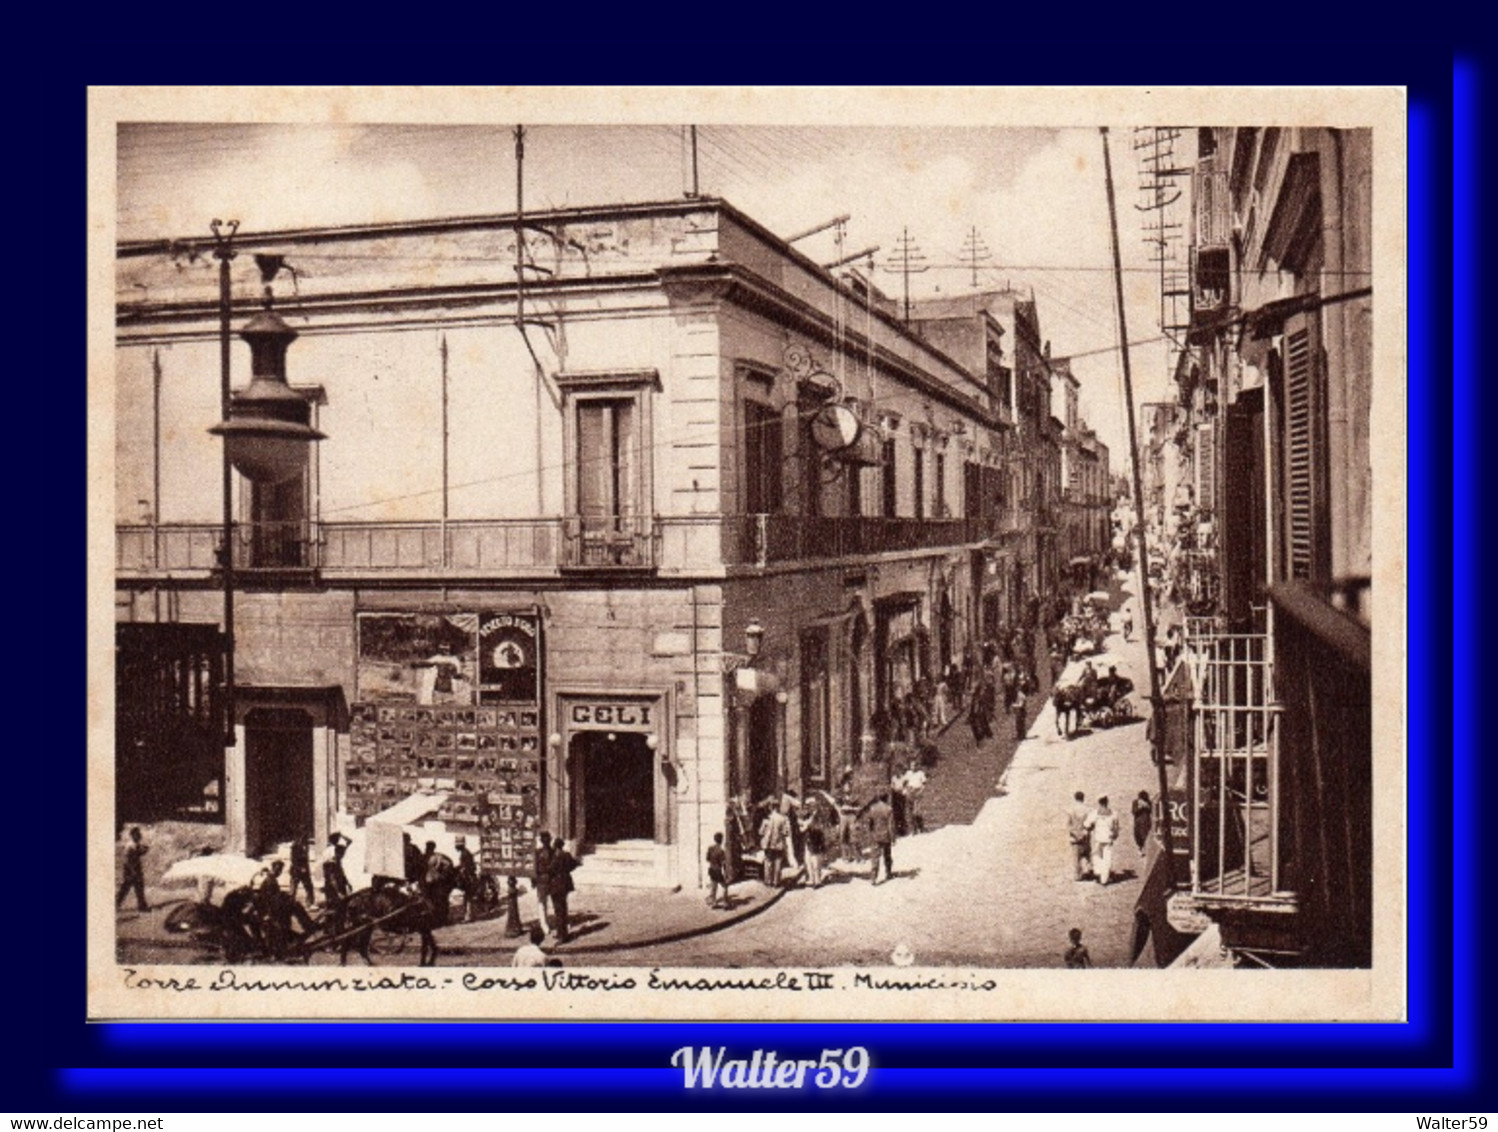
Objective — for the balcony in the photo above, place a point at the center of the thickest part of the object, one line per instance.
(609, 542)
(1237, 856)
(528, 547)
(765, 539)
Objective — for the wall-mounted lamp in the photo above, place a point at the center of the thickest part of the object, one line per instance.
(782, 698)
(754, 638)
(553, 740)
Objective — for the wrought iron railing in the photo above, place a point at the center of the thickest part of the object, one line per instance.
(1235, 768)
(787, 538)
(609, 542)
(518, 546)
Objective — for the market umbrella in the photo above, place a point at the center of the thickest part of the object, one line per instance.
(229, 869)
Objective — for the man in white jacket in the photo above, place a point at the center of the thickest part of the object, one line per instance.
(1102, 824)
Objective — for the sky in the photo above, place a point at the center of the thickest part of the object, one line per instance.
(1031, 201)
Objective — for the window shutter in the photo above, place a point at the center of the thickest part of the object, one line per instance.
(594, 461)
(1305, 452)
(1206, 469)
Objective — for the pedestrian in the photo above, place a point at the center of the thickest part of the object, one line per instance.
(774, 834)
(1076, 831)
(879, 821)
(914, 785)
(1128, 625)
(816, 849)
(530, 954)
(335, 882)
(414, 860)
(468, 876)
(981, 716)
(301, 868)
(1017, 704)
(717, 873)
(1102, 823)
(1076, 955)
(1144, 815)
(541, 878)
(897, 803)
(563, 864)
(941, 705)
(135, 871)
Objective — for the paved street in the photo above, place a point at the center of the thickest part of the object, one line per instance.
(997, 891)
(989, 884)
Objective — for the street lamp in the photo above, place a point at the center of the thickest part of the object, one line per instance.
(266, 429)
(754, 638)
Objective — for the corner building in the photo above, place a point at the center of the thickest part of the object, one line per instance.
(655, 521)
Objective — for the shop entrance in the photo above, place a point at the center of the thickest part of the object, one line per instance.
(278, 777)
(615, 798)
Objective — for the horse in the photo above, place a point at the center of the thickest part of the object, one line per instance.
(1067, 700)
(398, 910)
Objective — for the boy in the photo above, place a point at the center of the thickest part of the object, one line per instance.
(1076, 955)
(717, 873)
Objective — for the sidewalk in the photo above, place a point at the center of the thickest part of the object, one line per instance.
(999, 892)
(604, 920)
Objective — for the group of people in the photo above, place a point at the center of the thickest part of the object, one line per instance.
(1092, 831)
(1075, 703)
(1004, 686)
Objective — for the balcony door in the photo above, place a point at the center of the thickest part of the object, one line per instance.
(607, 474)
(607, 463)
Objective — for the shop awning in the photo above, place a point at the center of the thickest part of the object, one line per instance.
(1154, 921)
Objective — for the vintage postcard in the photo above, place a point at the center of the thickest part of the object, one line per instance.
(908, 554)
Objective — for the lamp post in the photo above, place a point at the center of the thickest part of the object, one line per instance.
(266, 429)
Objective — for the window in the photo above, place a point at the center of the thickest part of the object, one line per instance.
(939, 471)
(762, 459)
(1305, 451)
(279, 531)
(811, 464)
(855, 489)
(609, 520)
(816, 718)
(919, 483)
(607, 459)
(887, 480)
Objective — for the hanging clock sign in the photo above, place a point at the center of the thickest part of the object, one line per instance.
(835, 428)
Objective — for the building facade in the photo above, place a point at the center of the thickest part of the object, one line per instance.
(1274, 395)
(625, 519)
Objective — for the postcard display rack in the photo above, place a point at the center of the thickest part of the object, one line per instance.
(484, 755)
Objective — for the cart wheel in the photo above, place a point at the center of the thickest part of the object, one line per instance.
(386, 943)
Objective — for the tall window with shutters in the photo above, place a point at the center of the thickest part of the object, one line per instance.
(887, 496)
(816, 715)
(1306, 540)
(1206, 468)
(762, 459)
(609, 520)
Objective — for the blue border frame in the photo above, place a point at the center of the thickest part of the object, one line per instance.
(1432, 1063)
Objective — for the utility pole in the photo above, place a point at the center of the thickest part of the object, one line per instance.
(1159, 192)
(973, 252)
(908, 260)
(695, 190)
(223, 251)
(1145, 603)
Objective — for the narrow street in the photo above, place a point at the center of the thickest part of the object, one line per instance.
(995, 890)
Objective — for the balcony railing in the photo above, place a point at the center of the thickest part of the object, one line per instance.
(498, 547)
(609, 542)
(786, 538)
(1235, 769)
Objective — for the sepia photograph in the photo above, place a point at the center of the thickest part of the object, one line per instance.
(864, 554)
